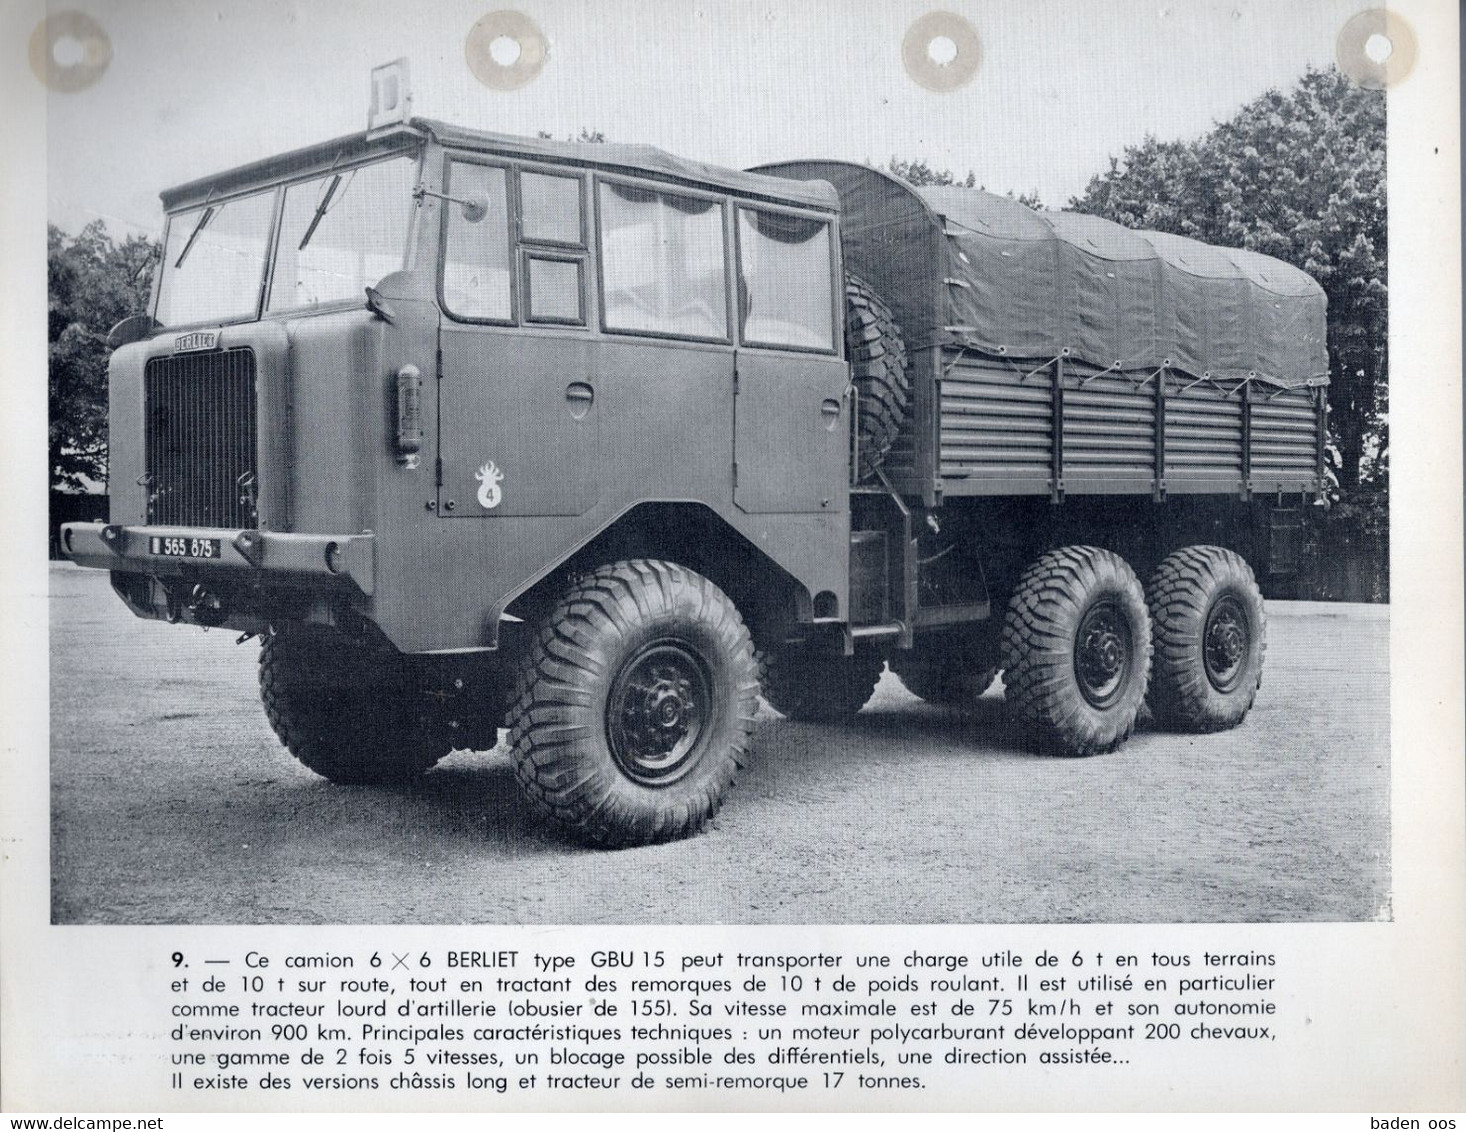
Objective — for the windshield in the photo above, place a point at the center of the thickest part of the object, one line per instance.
(214, 262)
(339, 233)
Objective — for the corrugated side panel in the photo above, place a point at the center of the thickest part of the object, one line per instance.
(1109, 433)
(997, 432)
(1284, 439)
(996, 429)
(1203, 437)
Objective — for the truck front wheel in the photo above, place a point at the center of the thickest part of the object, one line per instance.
(347, 711)
(1077, 649)
(1210, 638)
(634, 705)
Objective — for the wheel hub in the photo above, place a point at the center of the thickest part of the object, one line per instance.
(656, 712)
(1102, 654)
(659, 715)
(1225, 643)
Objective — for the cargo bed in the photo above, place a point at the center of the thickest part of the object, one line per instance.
(1056, 353)
(986, 426)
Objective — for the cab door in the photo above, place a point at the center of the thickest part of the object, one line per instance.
(518, 423)
(791, 408)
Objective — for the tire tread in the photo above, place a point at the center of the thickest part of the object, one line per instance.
(1179, 594)
(878, 363)
(1037, 649)
(556, 689)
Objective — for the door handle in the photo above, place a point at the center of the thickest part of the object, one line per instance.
(579, 396)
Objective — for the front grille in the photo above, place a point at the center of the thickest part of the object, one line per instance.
(201, 439)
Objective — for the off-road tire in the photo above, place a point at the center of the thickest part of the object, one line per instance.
(815, 686)
(878, 363)
(1210, 635)
(348, 711)
(1077, 650)
(943, 677)
(626, 643)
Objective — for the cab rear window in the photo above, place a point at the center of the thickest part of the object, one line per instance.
(786, 280)
(663, 265)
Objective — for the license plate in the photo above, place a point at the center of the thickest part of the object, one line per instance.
(183, 547)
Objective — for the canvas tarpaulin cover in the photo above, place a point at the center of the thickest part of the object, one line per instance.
(975, 269)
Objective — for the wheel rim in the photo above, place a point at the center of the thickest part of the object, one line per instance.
(1225, 644)
(658, 713)
(1102, 654)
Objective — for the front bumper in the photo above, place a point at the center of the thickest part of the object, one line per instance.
(243, 555)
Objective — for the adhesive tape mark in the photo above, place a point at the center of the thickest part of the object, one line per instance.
(505, 50)
(941, 51)
(69, 51)
(1376, 48)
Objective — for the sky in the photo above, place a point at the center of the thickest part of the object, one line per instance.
(195, 87)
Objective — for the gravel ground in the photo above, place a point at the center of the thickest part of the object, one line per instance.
(172, 802)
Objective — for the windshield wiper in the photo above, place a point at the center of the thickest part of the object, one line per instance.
(204, 218)
(320, 212)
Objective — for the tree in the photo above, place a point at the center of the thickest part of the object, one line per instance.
(1299, 176)
(586, 135)
(93, 284)
(919, 172)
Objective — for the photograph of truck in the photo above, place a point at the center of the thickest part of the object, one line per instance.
(586, 445)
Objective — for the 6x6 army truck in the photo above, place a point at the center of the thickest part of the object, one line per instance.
(592, 443)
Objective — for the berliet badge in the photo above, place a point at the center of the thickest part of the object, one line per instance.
(196, 340)
(489, 478)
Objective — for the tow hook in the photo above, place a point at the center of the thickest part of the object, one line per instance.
(206, 607)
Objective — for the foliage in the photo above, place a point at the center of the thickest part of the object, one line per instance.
(1299, 176)
(585, 135)
(919, 172)
(94, 283)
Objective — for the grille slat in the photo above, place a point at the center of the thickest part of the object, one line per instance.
(201, 433)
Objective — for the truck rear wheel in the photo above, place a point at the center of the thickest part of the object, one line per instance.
(949, 674)
(817, 686)
(1210, 639)
(634, 705)
(347, 711)
(1077, 649)
(877, 356)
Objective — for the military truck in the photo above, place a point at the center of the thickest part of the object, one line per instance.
(591, 443)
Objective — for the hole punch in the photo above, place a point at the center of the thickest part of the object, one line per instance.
(69, 51)
(505, 50)
(1376, 48)
(941, 51)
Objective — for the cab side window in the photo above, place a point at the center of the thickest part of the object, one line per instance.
(663, 265)
(478, 271)
(786, 280)
(550, 208)
(552, 246)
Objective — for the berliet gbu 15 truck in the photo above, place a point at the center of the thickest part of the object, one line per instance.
(592, 443)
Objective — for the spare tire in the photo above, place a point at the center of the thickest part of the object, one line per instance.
(877, 356)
